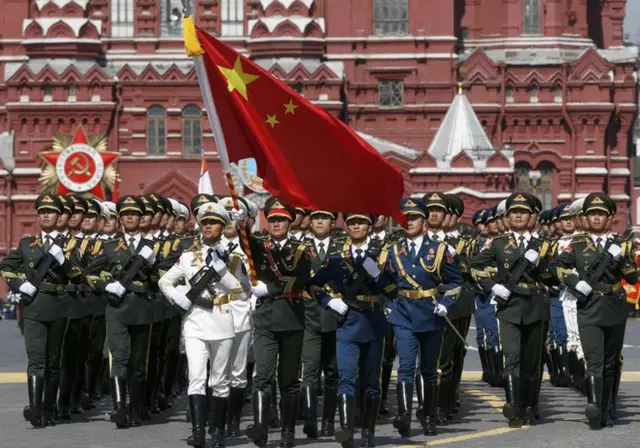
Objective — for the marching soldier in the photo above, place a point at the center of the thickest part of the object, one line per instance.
(418, 266)
(521, 309)
(126, 264)
(242, 321)
(283, 271)
(319, 347)
(592, 267)
(38, 269)
(208, 326)
(357, 273)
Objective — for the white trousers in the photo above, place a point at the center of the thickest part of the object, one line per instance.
(570, 309)
(219, 354)
(238, 364)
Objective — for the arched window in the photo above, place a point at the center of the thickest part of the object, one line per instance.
(156, 130)
(390, 17)
(544, 189)
(48, 93)
(232, 23)
(531, 17)
(557, 94)
(533, 94)
(508, 94)
(522, 181)
(72, 92)
(191, 131)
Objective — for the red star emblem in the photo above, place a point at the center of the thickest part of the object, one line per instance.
(80, 167)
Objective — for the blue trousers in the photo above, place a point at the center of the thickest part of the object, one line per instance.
(409, 345)
(487, 334)
(557, 326)
(362, 357)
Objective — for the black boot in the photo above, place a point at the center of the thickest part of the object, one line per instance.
(218, 420)
(136, 388)
(64, 399)
(274, 419)
(445, 400)
(593, 411)
(249, 390)
(552, 361)
(198, 411)
(329, 407)
(259, 431)
(49, 401)
(385, 381)
(511, 409)
(573, 361)
(498, 367)
(93, 377)
(419, 382)
(431, 393)
(484, 361)
(346, 409)
(119, 415)
(402, 422)
(290, 405)
(33, 412)
(310, 400)
(605, 403)
(581, 376)
(236, 400)
(613, 404)
(529, 392)
(564, 377)
(370, 415)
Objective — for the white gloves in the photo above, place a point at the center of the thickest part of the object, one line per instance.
(501, 291)
(615, 251)
(28, 289)
(147, 253)
(338, 306)
(57, 253)
(115, 288)
(440, 310)
(532, 256)
(182, 289)
(371, 267)
(253, 300)
(180, 299)
(260, 290)
(237, 215)
(217, 264)
(387, 312)
(583, 287)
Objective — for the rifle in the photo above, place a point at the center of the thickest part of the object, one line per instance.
(513, 276)
(36, 276)
(199, 282)
(132, 269)
(599, 267)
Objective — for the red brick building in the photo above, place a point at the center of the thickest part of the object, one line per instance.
(548, 90)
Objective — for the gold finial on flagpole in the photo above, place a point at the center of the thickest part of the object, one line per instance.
(460, 90)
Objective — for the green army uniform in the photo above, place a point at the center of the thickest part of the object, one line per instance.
(44, 314)
(319, 346)
(128, 318)
(521, 318)
(602, 313)
(279, 322)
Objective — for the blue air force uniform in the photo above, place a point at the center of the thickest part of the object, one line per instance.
(418, 268)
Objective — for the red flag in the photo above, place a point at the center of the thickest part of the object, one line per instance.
(306, 157)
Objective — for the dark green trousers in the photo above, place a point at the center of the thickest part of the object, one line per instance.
(128, 349)
(43, 342)
(279, 351)
(319, 355)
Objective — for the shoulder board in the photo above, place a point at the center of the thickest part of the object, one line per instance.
(114, 242)
(24, 237)
(97, 247)
(580, 238)
(500, 237)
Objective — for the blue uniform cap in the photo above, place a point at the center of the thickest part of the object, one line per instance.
(413, 206)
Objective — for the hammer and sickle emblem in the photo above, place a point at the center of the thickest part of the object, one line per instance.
(79, 168)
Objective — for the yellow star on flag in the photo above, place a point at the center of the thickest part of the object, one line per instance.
(237, 79)
(272, 120)
(290, 107)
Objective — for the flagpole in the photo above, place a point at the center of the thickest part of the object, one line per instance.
(193, 48)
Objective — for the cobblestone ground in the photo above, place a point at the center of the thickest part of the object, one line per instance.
(479, 424)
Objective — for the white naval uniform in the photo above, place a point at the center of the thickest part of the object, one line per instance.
(208, 334)
(570, 308)
(243, 322)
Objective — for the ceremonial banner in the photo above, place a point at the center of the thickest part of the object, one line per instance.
(204, 183)
(305, 156)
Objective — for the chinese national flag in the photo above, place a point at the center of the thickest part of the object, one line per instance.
(305, 156)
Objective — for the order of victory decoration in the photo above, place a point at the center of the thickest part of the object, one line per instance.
(79, 165)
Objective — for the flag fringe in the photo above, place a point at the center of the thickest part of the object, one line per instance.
(191, 43)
